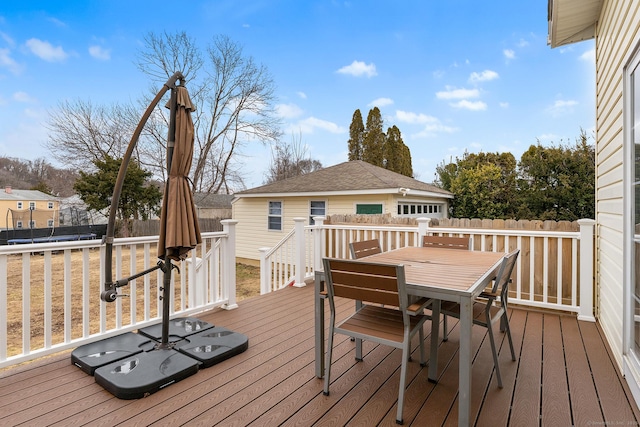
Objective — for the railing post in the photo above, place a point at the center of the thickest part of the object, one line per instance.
(318, 238)
(229, 262)
(423, 228)
(586, 269)
(265, 272)
(300, 252)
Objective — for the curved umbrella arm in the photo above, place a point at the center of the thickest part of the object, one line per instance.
(109, 294)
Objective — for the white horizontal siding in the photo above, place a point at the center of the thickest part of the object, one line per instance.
(617, 36)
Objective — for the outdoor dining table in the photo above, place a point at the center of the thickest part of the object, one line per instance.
(443, 275)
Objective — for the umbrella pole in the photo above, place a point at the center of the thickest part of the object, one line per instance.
(109, 293)
(166, 294)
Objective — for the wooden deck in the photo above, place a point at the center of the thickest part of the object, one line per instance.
(564, 376)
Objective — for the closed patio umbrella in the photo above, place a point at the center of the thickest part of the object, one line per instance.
(179, 229)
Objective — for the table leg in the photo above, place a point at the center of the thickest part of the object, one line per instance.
(433, 352)
(319, 323)
(466, 316)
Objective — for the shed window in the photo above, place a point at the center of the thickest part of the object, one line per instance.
(368, 209)
(317, 208)
(274, 219)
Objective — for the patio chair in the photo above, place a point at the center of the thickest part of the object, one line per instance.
(381, 284)
(446, 242)
(490, 312)
(364, 248)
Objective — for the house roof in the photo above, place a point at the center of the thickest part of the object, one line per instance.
(351, 177)
(213, 201)
(572, 21)
(24, 195)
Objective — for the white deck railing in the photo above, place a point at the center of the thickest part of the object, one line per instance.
(554, 269)
(50, 292)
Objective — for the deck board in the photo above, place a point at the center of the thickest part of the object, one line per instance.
(564, 375)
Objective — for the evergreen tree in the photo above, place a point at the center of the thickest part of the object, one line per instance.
(356, 135)
(138, 200)
(374, 139)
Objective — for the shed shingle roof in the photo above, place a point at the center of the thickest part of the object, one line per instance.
(352, 176)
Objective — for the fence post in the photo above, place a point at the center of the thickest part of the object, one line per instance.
(265, 272)
(229, 263)
(318, 236)
(300, 252)
(423, 228)
(586, 269)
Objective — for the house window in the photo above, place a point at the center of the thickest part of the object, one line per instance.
(50, 223)
(32, 224)
(317, 208)
(50, 205)
(19, 205)
(274, 219)
(32, 206)
(18, 224)
(417, 209)
(369, 209)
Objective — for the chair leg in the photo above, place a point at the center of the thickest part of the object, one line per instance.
(327, 365)
(403, 379)
(495, 353)
(508, 331)
(423, 361)
(445, 335)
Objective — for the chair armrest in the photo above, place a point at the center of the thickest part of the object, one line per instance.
(418, 306)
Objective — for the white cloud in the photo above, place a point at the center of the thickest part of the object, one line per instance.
(23, 97)
(413, 118)
(380, 102)
(453, 93)
(433, 129)
(358, 69)
(302, 95)
(485, 76)
(288, 111)
(7, 39)
(589, 56)
(100, 53)
(469, 105)
(44, 50)
(504, 104)
(310, 124)
(509, 54)
(561, 107)
(522, 43)
(6, 61)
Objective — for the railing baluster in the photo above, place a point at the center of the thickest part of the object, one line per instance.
(26, 302)
(47, 300)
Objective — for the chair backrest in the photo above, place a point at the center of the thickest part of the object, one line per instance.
(364, 248)
(501, 284)
(366, 281)
(447, 242)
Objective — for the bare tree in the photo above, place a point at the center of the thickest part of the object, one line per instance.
(289, 160)
(234, 98)
(81, 132)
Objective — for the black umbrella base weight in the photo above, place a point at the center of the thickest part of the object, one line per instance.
(134, 365)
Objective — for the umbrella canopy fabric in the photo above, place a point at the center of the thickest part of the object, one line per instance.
(179, 228)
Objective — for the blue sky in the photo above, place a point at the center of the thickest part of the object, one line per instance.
(452, 75)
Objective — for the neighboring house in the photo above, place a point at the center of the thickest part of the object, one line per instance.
(615, 25)
(265, 214)
(213, 205)
(25, 209)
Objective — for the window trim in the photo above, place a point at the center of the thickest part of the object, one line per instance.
(324, 208)
(270, 215)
